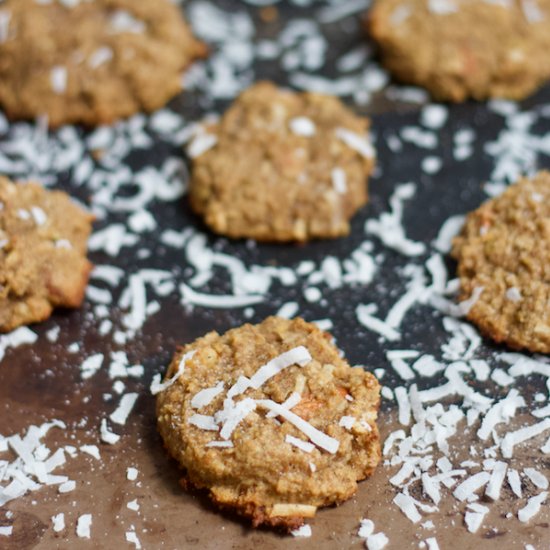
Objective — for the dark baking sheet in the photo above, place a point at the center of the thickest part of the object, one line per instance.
(41, 382)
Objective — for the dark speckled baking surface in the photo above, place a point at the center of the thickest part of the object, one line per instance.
(42, 381)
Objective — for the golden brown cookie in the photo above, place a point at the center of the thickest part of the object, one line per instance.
(459, 49)
(91, 61)
(270, 420)
(281, 166)
(43, 265)
(504, 253)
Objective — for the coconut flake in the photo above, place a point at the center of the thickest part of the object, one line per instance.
(299, 443)
(537, 478)
(339, 180)
(107, 436)
(469, 486)
(200, 144)
(122, 21)
(131, 473)
(289, 403)
(389, 229)
(58, 522)
(502, 411)
(58, 79)
(466, 306)
(91, 365)
(430, 486)
(515, 482)
(317, 437)
(16, 338)
(288, 310)
(233, 414)
(302, 126)
(365, 317)
(303, 531)
(511, 439)
(408, 506)
(220, 444)
(192, 297)
(532, 508)
(434, 116)
(354, 141)
(204, 422)
(449, 230)
(132, 538)
(366, 528)
(432, 541)
(497, 478)
(295, 356)
(39, 216)
(474, 516)
(377, 541)
(6, 530)
(83, 526)
(513, 294)
(121, 413)
(100, 57)
(206, 396)
(347, 422)
(157, 386)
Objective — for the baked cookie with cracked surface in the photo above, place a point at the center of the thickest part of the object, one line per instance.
(281, 166)
(270, 420)
(91, 61)
(503, 258)
(43, 265)
(460, 49)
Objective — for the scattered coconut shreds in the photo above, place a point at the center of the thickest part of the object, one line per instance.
(449, 385)
(32, 463)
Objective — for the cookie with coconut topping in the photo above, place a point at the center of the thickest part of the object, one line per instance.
(460, 49)
(503, 258)
(112, 59)
(270, 420)
(281, 166)
(43, 265)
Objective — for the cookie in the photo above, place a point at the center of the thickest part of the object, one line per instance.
(281, 166)
(91, 61)
(503, 258)
(270, 420)
(459, 49)
(43, 265)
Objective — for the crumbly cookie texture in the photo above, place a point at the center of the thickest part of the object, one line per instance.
(91, 61)
(281, 166)
(504, 253)
(278, 463)
(461, 49)
(43, 265)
